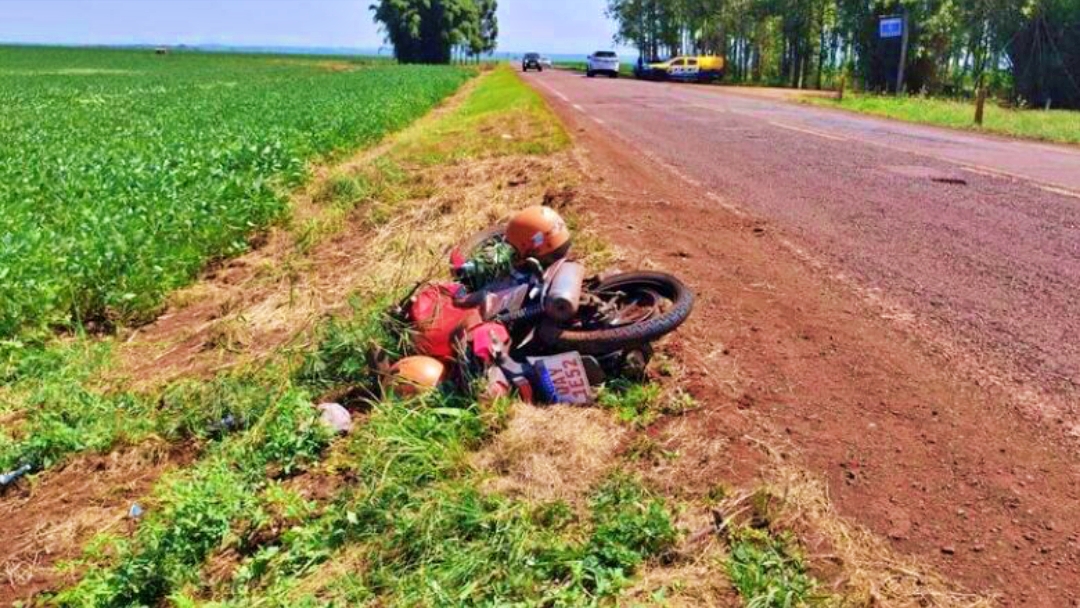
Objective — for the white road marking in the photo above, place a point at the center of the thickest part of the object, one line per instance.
(719, 200)
(991, 172)
(979, 169)
(983, 172)
(577, 107)
(1061, 191)
(807, 131)
(1056, 149)
(663, 163)
(801, 253)
(1001, 173)
(553, 90)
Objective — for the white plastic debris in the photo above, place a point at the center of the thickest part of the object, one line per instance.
(336, 418)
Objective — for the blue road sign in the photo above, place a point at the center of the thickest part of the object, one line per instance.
(891, 27)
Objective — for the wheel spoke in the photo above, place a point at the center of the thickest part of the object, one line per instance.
(620, 308)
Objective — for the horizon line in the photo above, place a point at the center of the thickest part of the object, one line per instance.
(251, 47)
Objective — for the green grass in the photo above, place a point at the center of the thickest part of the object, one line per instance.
(64, 413)
(1062, 126)
(768, 571)
(576, 66)
(502, 116)
(643, 404)
(122, 173)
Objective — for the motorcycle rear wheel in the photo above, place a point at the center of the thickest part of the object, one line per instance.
(627, 311)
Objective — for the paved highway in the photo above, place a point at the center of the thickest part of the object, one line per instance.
(974, 237)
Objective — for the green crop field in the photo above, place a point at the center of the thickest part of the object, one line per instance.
(123, 172)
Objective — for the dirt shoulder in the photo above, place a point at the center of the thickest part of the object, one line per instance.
(781, 351)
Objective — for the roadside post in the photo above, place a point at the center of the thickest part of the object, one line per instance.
(891, 27)
(840, 92)
(980, 104)
(903, 52)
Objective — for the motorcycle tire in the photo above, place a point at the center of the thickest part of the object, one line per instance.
(600, 341)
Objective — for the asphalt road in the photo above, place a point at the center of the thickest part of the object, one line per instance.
(975, 237)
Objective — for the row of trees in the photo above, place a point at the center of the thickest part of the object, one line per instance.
(1025, 50)
(435, 31)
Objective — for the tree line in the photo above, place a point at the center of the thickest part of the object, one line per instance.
(438, 31)
(1025, 51)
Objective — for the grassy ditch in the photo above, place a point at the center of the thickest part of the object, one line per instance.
(1062, 126)
(403, 519)
(500, 118)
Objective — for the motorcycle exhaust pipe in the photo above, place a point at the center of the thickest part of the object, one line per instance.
(564, 295)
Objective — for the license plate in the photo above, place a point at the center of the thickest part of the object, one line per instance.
(569, 376)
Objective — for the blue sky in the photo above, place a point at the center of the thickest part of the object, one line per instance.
(550, 26)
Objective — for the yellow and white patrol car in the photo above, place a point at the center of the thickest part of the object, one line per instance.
(685, 68)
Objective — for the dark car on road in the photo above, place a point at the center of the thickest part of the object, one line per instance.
(532, 61)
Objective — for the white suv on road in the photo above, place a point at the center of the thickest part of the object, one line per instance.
(603, 62)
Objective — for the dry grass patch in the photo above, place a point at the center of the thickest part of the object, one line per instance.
(694, 582)
(553, 453)
(858, 566)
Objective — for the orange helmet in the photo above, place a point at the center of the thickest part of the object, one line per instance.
(417, 375)
(538, 232)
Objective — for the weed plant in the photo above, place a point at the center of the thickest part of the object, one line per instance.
(641, 404)
(768, 570)
(63, 413)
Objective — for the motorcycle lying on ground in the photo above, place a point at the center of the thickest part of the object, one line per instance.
(535, 323)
